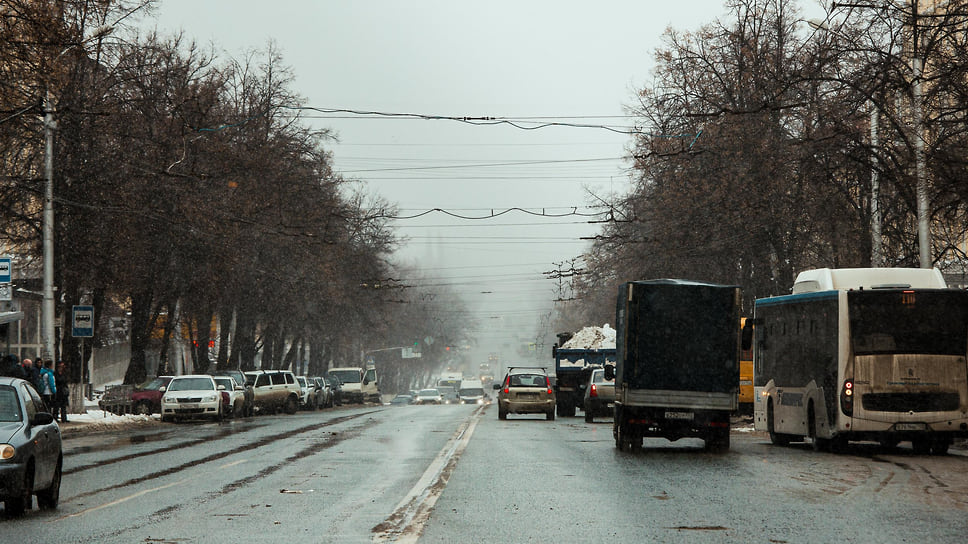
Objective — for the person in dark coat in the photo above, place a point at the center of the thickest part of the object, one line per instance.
(10, 366)
(31, 374)
(62, 400)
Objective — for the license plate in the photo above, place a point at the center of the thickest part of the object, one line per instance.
(679, 415)
(910, 427)
(188, 406)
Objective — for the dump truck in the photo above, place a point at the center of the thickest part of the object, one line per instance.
(575, 355)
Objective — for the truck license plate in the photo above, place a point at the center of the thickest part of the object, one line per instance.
(678, 415)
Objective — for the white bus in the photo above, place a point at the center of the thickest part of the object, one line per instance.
(863, 354)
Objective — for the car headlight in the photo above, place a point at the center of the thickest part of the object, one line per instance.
(7, 451)
(167, 400)
(210, 398)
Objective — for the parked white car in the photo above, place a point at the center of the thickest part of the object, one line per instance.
(233, 396)
(192, 396)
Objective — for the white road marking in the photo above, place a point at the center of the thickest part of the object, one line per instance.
(406, 523)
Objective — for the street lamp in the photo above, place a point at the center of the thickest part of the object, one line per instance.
(47, 309)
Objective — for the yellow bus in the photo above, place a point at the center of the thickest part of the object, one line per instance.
(745, 375)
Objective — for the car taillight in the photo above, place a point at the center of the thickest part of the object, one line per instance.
(594, 391)
(507, 382)
(847, 398)
(548, 383)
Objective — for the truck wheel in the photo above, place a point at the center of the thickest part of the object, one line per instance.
(717, 441)
(939, 446)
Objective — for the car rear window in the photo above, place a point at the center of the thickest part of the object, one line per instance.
(528, 380)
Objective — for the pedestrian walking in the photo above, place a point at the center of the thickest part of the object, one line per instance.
(48, 385)
(62, 398)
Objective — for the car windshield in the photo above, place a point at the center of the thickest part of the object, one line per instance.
(192, 384)
(428, 393)
(347, 376)
(472, 392)
(9, 406)
(155, 384)
(302, 381)
(528, 380)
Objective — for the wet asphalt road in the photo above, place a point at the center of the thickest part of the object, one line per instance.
(450, 474)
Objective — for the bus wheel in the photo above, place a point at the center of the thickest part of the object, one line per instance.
(940, 446)
(776, 438)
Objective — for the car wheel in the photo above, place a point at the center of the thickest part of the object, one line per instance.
(15, 506)
(502, 413)
(292, 405)
(551, 415)
(589, 416)
(142, 409)
(48, 498)
(165, 419)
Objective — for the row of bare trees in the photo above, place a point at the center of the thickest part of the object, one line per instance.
(187, 192)
(757, 157)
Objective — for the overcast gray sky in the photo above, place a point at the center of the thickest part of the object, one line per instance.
(566, 61)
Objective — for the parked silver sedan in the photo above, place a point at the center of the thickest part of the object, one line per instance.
(31, 457)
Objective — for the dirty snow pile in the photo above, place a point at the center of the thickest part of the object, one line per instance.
(592, 338)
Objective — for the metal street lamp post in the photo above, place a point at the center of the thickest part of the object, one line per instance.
(47, 308)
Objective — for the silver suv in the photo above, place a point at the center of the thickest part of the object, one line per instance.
(525, 390)
(274, 390)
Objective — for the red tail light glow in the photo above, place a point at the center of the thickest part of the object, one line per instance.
(548, 383)
(594, 391)
(847, 398)
(507, 382)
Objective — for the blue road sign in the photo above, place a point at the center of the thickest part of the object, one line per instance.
(5, 264)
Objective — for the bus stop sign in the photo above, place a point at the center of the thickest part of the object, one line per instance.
(83, 321)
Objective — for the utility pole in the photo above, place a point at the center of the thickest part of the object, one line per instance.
(47, 309)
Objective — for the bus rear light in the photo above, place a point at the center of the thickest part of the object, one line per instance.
(847, 398)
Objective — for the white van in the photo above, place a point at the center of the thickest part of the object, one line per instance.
(359, 384)
(472, 392)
